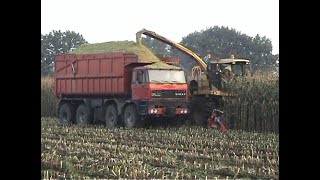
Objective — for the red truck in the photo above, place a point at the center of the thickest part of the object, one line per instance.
(117, 88)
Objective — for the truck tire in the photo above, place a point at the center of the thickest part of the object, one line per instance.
(111, 116)
(66, 114)
(83, 115)
(130, 117)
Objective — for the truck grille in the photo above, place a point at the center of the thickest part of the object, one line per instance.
(168, 94)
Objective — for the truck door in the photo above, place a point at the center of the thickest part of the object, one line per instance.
(139, 85)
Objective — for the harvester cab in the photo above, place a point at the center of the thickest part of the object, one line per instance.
(219, 71)
(222, 70)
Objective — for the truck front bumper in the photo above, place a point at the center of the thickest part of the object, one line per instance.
(163, 108)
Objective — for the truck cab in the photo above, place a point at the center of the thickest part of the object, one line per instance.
(160, 92)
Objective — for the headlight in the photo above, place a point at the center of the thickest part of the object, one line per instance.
(153, 111)
(183, 111)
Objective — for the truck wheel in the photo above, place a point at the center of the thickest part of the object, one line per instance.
(130, 117)
(111, 116)
(66, 113)
(83, 115)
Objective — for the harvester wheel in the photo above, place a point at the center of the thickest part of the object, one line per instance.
(197, 112)
(198, 116)
(201, 111)
(66, 113)
(193, 86)
(130, 117)
(111, 116)
(83, 115)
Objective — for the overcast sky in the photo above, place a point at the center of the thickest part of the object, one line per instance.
(118, 20)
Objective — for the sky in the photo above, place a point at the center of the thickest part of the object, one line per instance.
(118, 20)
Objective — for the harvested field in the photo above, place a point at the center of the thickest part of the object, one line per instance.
(74, 152)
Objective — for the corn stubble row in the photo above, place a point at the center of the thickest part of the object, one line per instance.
(255, 106)
(182, 152)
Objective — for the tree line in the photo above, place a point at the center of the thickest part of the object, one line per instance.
(220, 42)
(57, 42)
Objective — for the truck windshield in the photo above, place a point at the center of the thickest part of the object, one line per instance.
(166, 76)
